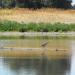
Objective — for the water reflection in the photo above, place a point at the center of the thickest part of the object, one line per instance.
(73, 58)
(34, 67)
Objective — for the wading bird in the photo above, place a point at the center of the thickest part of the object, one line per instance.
(44, 44)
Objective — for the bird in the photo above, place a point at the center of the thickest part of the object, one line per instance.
(56, 49)
(44, 44)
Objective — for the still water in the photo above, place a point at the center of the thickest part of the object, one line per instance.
(38, 66)
(34, 67)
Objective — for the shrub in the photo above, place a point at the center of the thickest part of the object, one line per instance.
(37, 27)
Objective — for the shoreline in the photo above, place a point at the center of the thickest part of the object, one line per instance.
(33, 34)
(35, 53)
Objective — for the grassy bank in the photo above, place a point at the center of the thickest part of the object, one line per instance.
(35, 27)
(45, 15)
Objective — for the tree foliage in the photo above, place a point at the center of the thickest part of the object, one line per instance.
(35, 3)
(61, 3)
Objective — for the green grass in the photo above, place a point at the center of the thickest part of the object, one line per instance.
(35, 27)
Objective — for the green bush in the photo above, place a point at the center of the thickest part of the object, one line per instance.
(35, 27)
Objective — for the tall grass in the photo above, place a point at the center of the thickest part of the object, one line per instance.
(37, 27)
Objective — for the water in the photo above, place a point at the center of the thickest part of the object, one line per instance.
(36, 43)
(39, 66)
(34, 67)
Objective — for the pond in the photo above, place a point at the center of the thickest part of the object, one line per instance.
(39, 66)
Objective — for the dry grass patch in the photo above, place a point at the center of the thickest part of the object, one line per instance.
(40, 15)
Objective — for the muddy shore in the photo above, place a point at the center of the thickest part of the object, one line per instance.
(69, 34)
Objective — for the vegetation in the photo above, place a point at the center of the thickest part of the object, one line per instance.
(35, 3)
(37, 27)
(62, 3)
